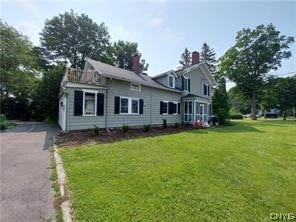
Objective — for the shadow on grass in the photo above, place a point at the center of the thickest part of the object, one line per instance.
(235, 127)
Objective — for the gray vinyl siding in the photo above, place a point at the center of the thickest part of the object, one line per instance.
(83, 122)
(151, 109)
(163, 80)
(178, 83)
(197, 79)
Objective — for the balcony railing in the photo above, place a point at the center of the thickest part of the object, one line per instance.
(82, 76)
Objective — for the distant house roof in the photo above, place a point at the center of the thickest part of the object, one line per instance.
(126, 75)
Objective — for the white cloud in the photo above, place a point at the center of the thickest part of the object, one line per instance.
(30, 7)
(156, 22)
(30, 29)
(169, 34)
(121, 33)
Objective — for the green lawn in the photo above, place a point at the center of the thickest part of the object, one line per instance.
(237, 173)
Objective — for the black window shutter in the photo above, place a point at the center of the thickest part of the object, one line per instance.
(161, 107)
(205, 89)
(188, 85)
(100, 104)
(171, 108)
(178, 108)
(208, 90)
(182, 82)
(116, 104)
(78, 102)
(141, 106)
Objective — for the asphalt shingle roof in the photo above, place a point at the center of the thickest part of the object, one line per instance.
(126, 75)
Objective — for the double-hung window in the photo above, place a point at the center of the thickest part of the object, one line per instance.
(123, 105)
(135, 106)
(129, 105)
(206, 90)
(171, 81)
(186, 84)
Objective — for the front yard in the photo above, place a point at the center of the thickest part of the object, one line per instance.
(237, 173)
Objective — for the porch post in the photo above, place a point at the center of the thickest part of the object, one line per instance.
(193, 107)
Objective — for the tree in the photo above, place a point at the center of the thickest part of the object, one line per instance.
(238, 102)
(72, 37)
(45, 97)
(123, 54)
(280, 93)
(208, 56)
(185, 58)
(254, 54)
(220, 101)
(17, 72)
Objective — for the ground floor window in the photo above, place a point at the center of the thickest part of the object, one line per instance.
(123, 105)
(135, 106)
(129, 105)
(89, 103)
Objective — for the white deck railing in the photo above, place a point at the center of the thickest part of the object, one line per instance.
(196, 117)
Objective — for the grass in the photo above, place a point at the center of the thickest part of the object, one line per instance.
(242, 172)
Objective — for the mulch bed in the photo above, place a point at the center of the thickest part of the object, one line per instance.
(87, 137)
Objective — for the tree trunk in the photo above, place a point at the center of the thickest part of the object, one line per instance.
(284, 115)
(253, 106)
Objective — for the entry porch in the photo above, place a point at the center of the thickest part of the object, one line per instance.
(196, 109)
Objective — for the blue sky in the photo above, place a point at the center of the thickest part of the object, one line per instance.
(163, 28)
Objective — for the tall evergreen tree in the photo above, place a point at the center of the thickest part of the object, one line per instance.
(207, 55)
(185, 58)
(220, 101)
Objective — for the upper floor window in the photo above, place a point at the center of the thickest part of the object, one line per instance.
(171, 81)
(206, 90)
(186, 84)
(135, 87)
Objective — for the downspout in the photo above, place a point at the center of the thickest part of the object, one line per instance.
(107, 98)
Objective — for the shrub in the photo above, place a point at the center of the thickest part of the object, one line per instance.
(96, 130)
(176, 125)
(236, 116)
(146, 127)
(4, 123)
(125, 128)
(164, 123)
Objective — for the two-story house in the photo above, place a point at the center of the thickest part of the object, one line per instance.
(108, 96)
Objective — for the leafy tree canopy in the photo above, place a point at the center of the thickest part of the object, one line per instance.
(123, 55)
(255, 53)
(72, 37)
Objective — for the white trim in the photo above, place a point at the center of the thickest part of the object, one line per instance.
(83, 102)
(139, 85)
(173, 81)
(83, 85)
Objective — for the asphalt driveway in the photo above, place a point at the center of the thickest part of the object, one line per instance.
(26, 193)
